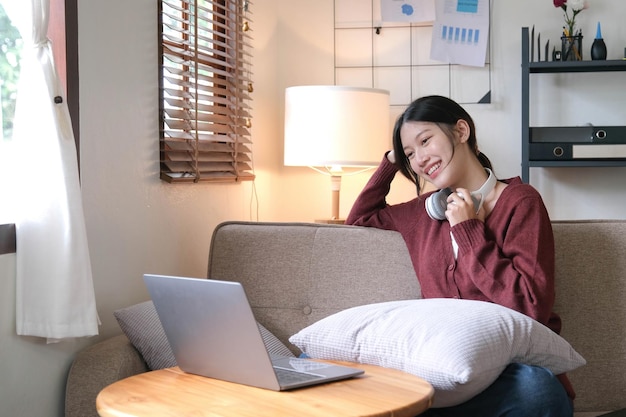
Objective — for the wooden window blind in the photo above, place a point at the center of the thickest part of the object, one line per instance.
(205, 87)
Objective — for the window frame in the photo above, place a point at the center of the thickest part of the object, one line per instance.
(63, 32)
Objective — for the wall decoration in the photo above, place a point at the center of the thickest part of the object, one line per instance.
(395, 56)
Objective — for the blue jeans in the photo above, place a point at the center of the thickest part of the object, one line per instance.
(520, 391)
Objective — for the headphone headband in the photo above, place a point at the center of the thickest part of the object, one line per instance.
(485, 188)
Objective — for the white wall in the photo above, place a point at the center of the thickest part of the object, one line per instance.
(138, 224)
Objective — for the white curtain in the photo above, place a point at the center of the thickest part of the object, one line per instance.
(55, 295)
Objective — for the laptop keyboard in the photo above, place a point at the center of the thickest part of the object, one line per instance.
(287, 377)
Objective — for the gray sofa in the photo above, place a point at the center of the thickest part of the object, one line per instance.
(298, 273)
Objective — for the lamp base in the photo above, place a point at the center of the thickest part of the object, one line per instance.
(330, 221)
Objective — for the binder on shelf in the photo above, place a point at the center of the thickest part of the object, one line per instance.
(571, 151)
(580, 142)
(599, 135)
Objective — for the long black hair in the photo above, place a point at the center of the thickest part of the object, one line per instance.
(445, 113)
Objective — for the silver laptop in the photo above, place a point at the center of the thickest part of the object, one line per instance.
(212, 331)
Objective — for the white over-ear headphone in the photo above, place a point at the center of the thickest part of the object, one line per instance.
(437, 203)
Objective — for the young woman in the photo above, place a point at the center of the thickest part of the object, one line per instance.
(493, 243)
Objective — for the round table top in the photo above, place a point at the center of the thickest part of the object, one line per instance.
(172, 392)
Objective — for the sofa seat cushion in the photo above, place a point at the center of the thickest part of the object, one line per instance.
(459, 346)
(141, 324)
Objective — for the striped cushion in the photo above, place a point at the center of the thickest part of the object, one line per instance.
(141, 324)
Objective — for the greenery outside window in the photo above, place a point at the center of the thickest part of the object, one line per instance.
(10, 51)
(10, 47)
(205, 87)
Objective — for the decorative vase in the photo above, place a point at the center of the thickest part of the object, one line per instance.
(598, 48)
(572, 48)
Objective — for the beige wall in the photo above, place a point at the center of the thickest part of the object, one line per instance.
(138, 224)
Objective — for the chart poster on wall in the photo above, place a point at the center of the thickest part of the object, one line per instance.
(395, 55)
(460, 32)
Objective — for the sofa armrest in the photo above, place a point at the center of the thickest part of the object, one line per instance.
(94, 368)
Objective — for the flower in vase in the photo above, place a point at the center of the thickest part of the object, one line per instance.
(571, 8)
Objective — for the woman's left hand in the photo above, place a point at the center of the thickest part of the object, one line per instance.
(461, 207)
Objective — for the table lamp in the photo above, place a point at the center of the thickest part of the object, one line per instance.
(329, 128)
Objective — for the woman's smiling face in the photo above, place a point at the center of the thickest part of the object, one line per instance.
(428, 148)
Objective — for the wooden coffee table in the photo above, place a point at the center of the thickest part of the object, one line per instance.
(172, 392)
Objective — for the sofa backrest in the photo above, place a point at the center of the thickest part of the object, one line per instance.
(591, 300)
(297, 273)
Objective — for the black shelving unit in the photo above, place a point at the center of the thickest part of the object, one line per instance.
(553, 67)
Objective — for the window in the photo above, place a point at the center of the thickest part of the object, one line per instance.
(10, 52)
(205, 91)
(10, 47)
(63, 32)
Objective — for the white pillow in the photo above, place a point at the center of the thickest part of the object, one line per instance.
(459, 346)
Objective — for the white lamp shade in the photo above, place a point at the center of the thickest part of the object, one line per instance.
(336, 126)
